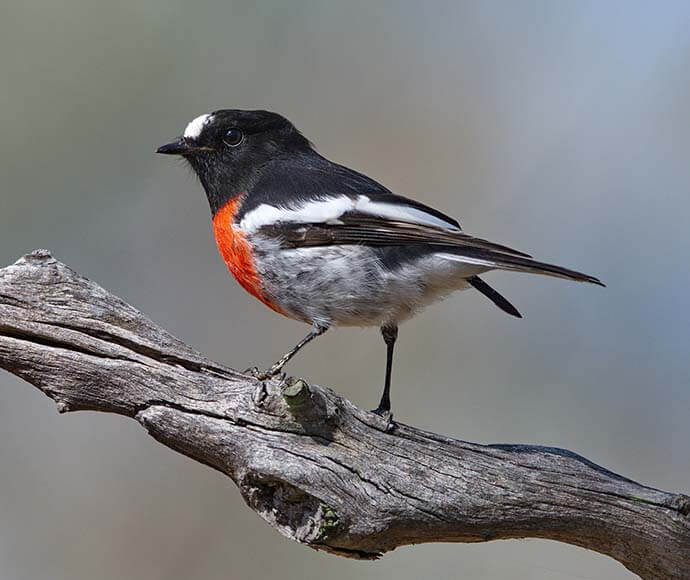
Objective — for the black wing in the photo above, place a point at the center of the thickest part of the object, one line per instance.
(353, 228)
(371, 230)
(366, 213)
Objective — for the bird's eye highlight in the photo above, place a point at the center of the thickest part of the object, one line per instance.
(233, 137)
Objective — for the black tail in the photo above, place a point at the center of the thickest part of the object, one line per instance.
(494, 296)
(504, 261)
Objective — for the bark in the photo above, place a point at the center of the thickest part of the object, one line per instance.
(318, 469)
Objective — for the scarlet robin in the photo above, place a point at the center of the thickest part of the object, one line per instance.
(321, 243)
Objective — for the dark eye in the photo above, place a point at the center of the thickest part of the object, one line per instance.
(233, 137)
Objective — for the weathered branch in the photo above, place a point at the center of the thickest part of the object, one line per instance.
(317, 468)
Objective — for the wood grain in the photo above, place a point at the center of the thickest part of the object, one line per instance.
(320, 470)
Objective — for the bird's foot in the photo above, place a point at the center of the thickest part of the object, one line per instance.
(265, 375)
(253, 371)
(387, 416)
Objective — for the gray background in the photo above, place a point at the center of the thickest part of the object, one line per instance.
(560, 128)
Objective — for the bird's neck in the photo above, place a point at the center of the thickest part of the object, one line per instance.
(223, 184)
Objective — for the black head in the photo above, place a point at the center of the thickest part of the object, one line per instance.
(227, 148)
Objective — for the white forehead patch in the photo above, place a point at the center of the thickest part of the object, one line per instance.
(193, 130)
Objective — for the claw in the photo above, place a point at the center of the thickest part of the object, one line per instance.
(269, 374)
(262, 375)
(387, 416)
(253, 371)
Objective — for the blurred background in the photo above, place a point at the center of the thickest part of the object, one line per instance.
(560, 128)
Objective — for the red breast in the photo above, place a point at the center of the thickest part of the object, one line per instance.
(237, 252)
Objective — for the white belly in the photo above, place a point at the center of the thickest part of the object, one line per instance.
(349, 286)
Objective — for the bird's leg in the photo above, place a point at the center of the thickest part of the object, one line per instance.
(390, 334)
(317, 330)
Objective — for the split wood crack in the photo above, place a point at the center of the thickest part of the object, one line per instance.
(318, 469)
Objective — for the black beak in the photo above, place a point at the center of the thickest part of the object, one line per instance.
(177, 147)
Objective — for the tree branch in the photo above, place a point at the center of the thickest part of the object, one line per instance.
(317, 468)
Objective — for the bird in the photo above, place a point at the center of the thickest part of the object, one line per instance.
(323, 244)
